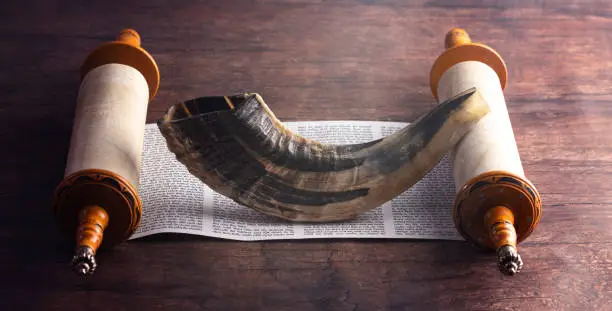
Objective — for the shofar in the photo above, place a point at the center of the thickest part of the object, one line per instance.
(237, 146)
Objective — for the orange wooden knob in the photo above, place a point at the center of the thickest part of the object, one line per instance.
(93, 220)
(456, 37)
(500, 222)
(129, 36)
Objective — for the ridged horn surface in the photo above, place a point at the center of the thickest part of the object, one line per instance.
(237, 146)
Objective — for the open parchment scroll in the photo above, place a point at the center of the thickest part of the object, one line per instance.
(174, 201)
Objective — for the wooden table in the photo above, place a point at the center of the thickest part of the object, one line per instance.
(314, 60)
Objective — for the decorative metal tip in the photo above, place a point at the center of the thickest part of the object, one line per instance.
(83, 261)
(510, 262)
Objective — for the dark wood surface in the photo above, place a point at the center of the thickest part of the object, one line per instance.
(314, 60)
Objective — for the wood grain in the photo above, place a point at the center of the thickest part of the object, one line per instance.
(315, 60)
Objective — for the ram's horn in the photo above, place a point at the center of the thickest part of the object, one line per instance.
(237, 146)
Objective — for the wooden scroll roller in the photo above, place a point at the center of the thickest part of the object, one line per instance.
(97, 202)
(496, 206)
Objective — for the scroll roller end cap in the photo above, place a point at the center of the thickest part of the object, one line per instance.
(510, 262)
(84, 261)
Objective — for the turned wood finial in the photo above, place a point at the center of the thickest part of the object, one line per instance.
(499, 220)
(456, 37)
(92, 221)
(129, 36)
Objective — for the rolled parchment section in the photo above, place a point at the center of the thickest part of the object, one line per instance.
(496, 206)
(108, 130)
(97, 201)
